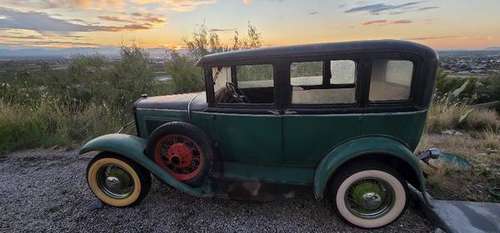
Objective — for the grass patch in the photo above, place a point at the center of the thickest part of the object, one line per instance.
(481, 150)
(49, 123)
(457, 116)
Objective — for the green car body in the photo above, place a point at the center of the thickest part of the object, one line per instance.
(287, 143)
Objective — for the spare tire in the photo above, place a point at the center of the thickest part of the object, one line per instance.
(183, 150)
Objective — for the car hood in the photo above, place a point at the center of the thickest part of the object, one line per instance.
(175, 102)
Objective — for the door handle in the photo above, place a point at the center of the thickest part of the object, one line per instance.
(290, 112)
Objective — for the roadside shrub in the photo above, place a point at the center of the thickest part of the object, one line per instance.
(49, 124)
(93, 96)
(18, 128)
(443, 116)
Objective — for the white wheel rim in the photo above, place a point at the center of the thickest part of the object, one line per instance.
(384, 216)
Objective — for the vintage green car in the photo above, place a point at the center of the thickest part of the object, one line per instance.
(342, 119)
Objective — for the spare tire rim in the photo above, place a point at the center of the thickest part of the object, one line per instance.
(370, 198)
(180, 156)
(115, 181)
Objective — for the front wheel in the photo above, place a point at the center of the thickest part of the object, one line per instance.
(370, 195)
(117, 181)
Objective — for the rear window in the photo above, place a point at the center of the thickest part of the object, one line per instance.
(391, 80)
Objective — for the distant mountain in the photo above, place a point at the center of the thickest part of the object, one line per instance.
(493, 48)
(112, 52)
(55, 52)
(462, 53)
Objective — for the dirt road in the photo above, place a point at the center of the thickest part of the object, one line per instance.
(45, 191)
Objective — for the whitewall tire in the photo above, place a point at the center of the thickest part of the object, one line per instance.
(370, 197)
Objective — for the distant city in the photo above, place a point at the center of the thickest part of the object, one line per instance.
(465, 64)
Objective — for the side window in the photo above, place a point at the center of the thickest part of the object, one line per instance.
(343, 72)
(254, 84)
(391, 80)
(254, 76)
(309, 86)
(306, 73)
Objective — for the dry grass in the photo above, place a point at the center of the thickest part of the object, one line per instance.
(481, 150)
(479, 144)
(490, 140)
(481, 119)
(444, 116)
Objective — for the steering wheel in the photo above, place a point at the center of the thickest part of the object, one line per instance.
(236, 93)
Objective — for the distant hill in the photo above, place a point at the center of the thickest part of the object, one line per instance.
(493, 48)
(36, 53)
(114, 52)
(484, 52)
(55, 52)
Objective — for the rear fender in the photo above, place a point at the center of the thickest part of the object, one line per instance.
(132, 147)
(375, 145)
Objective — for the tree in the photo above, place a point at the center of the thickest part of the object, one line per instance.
(204, 42)
(186, 76)
(254, 38)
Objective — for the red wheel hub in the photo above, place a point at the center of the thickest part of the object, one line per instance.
(180, 156)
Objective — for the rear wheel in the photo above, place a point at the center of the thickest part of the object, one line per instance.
(370, 195)
(117, 181)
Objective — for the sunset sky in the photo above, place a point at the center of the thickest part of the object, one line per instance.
(445, 24)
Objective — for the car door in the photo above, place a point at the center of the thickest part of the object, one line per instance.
(249, 131)
(318, 117)
(249, 138)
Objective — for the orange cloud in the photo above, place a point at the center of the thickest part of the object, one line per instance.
(178, 5)
(84, 4)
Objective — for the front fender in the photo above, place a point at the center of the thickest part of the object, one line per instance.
(132, 147)
(363, 146)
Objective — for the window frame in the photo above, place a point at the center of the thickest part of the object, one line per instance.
(282, 87)
(417, 70)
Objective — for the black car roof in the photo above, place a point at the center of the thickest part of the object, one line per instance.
(311, 50)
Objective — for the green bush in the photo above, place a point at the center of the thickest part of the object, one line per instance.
(490, 89)
(93, 96)
(186, 76)
(62, 107)
(467, 90)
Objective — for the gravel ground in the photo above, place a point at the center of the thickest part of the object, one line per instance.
(45, 191)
